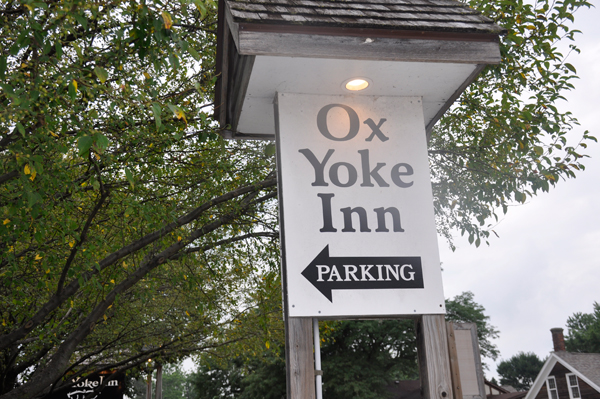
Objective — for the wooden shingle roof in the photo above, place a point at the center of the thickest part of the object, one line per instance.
(264, 46)
(420, 15)
(588, 364)
(585, 365)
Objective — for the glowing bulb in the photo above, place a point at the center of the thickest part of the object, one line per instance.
(357, 84)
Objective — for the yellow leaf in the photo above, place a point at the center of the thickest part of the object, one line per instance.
(179, 238)
(33, 175)
(6, 221)
(267, 344)
(38, 257)
(167, 19)
(186, 312)
(71, 244)
(105, 318)
(27, 170)
(146, 75)
(112, 281)
(75, 84)
(54, 134)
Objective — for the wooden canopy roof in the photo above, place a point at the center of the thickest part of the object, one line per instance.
(421, 15)
(256, 37)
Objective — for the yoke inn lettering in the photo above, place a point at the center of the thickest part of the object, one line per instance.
(345, 173)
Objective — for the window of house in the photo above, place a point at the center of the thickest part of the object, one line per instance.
(552, 389)
(573, 386)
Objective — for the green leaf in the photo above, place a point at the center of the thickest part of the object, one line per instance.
(156, 109)
(193, 52)
(81, 19)
(570, 67)
(538, 150)
(3, 61)
(101, 73)
(72, 90)
(21, 129)
(33, 198)
(129, 177)
(84, 143)
(270, 150)
(101, 142)
(201, 7)
(59, 51)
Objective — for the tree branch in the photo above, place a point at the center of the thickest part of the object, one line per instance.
(57, 299)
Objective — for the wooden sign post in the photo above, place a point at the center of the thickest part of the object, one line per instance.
(359, 236)
(351, 90)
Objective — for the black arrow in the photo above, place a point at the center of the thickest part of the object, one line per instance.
(363, 273)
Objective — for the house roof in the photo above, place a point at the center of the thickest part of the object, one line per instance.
(588, 364)
(502, 389)
(585, 365)
(510, 395)
(421, 15)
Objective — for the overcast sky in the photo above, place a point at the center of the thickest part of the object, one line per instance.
(546, 264)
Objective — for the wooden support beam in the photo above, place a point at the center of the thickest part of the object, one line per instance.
(300, 364)
(434, 364)
(454, 367)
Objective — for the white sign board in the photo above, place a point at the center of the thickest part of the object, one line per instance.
(358, 227)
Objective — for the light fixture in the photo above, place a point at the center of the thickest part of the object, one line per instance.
(356, 84)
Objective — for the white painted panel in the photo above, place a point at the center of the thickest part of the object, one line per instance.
(305, 198)
(466, 363)
(434, 82)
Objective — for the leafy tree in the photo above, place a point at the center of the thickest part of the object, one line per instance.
(128, 229)
(176, 384)
(584, 331)
(360, 358)
(505, 138)
(213, 380)
(520, 370)
(463, 309)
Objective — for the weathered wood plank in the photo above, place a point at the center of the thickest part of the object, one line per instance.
(360, 48)
(428, 15)
(299, 358)
(434, 364)
(469, 359)
(454, 367)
